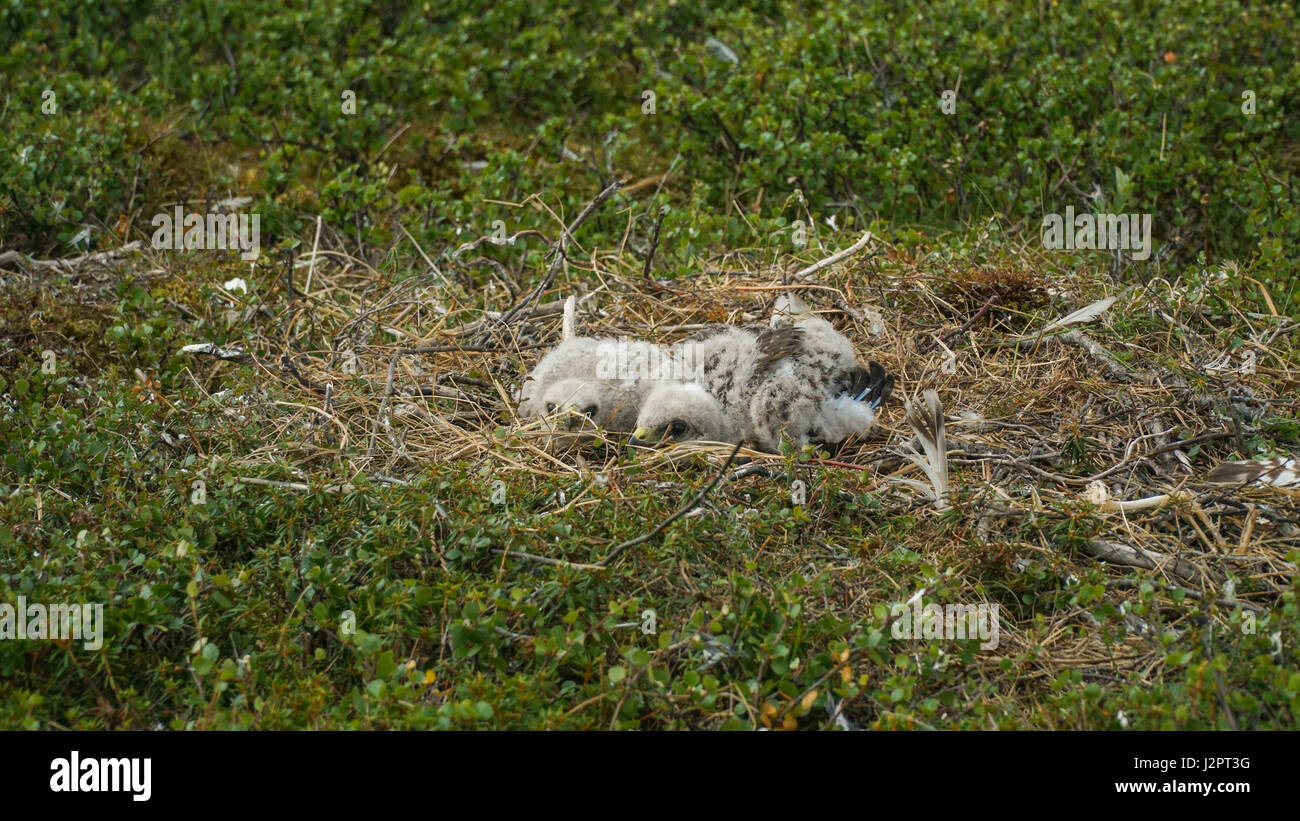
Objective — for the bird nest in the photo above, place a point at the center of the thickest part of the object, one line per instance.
(1073, 440)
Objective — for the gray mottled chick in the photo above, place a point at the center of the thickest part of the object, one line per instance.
(729, 361)
(817, 394)
(574, 358)
(599, 403)
(800, 380)
(682, 412)
(600, 378)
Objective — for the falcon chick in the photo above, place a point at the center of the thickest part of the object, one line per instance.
(681, 412)
(728, 362)
(574, 358)
(799, 379)
(592, 358)
(595, 383)
(603, 404)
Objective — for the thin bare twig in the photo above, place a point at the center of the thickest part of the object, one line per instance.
(687, 508)
(559, 250)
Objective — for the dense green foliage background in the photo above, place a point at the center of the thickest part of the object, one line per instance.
(1138, 106)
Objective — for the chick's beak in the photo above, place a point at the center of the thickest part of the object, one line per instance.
(641, 436)
(574, 418)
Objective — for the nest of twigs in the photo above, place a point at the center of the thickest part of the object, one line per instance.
(1115, 418)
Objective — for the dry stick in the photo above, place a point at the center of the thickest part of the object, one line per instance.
(971, 322)
(544, 310)
(311, 267)
(1120, 371)
(604, 563)
(834, 258)
(432, 267)
(1120, 553)
(532, 557)
(559, 249)
(1130, 584)
(687, 508)
(510, 240)
(837, 464)
(800, 287)
(1099, 354)
(1084, 480)
(69, 263)
(347, 487)
(466, 349)
(654, 243)
(392, 366)
(837, 299)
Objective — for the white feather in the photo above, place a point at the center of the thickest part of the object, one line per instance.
(1085, 314)
(569, 325)
(927, 421)
(788, 307)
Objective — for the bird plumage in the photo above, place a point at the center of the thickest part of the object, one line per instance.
(623, 363)
(681, 412)
(1281, 471)
(799, 379)
(600, 403)
(926, 420)
(574, 358)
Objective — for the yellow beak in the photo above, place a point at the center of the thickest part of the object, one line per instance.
(642, 434)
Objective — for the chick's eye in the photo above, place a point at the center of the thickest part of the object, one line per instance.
(678, 428)
(550, 406)
(590, 410)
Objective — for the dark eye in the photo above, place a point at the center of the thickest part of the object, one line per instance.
(678, 428)
(550, 406)
(590, 410)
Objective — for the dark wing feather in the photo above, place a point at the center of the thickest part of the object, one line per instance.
(871, 384)
(775, 344)
(1268, 471)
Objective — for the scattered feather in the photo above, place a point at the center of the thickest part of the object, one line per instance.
(212, 349)
(720, 50)
(1280, 471)
(232, 204)
(926, 419)
(569, 325)
(1085, 314)
(788, 308)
